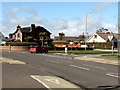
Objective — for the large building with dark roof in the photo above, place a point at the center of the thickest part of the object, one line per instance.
(21, 33)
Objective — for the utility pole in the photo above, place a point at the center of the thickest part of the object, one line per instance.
(85, 31)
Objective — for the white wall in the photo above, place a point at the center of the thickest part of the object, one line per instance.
(16, 35)
(97, 39)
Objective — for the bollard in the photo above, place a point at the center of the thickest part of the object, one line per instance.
(65, 49)
(9, 48)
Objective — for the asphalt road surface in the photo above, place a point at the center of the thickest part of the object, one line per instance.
(55, 71)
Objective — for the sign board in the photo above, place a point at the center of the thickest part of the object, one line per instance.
(110, 37)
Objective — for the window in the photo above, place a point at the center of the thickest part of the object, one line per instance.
(18, 35)
(95, 36)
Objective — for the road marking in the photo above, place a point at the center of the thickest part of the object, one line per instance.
(79, 67)
(113, 75)
(52, 61)
(11, 61)
(94, 66)
(54, 82)
(35, 77)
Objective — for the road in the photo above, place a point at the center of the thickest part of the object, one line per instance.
(40, 70)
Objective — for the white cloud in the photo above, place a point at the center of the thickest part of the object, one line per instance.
(70, 27)
(1, 27)
(110, 27)
(17, 20)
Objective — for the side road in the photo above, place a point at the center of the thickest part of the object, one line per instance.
(99, 59)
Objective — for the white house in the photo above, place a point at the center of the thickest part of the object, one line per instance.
(3, 39)
(103, 37)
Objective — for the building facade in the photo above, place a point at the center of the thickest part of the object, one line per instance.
(32, 33)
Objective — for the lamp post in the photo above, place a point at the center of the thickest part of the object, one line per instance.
(86, 26)
(86, 31)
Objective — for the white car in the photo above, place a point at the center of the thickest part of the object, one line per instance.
(83, 46)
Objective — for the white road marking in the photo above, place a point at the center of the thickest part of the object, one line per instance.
(11, 61)
(52, 61)
(56, 81)
(34, 77)
(79, 67)
(113, 75)
(94, 66)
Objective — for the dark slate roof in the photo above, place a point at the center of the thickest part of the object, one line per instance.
(42, 28)
(25, 30)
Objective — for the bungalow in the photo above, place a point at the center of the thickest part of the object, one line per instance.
(104, 37)
(25, 33)
(66, 39)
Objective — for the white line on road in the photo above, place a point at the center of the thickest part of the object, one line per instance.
(79, 67)
(113, 75)
(52, 61)
(34, 77)
(94, 66)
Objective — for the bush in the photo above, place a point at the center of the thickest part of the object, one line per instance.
(106, 45)
(59, 43)
(20, 43)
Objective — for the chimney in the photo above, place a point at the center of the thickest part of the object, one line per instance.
(32, 26)
(18, 27)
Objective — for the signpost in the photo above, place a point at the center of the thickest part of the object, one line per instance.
(111, 39)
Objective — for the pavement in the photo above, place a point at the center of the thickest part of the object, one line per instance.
(99, 59)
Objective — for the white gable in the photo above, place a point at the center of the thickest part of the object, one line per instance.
(96, 38)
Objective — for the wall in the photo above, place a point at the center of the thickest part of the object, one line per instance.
(97, 39)
(20, 37)
(14, 48)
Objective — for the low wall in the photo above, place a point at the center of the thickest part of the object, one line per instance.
(14, 48)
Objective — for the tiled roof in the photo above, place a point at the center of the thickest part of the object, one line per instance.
(66, 38)
(105, 35)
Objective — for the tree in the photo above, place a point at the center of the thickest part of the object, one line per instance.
(102, 30)
(82, 37)
(42, 36)
(61, 35)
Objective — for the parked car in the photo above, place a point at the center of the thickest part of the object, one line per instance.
(38, 49)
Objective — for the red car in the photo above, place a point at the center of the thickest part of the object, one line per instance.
(38, 49)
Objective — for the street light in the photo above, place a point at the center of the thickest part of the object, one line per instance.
(86, 22)
(85, 31)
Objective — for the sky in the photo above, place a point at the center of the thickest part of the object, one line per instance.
(56, 17)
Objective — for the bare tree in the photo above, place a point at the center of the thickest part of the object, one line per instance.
(102, 30)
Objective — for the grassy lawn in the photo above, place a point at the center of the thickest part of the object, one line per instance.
(80, 52)
(111, 56)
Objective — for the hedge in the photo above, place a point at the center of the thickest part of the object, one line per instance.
(106, 45)
(59, 43)
(20, 43)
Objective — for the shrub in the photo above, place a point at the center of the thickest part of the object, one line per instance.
(20, 43)
(59, 43)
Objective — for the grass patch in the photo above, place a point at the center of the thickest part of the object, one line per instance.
(111, 56)
(80, 52)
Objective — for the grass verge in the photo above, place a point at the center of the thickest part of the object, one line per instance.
(80, 52)
(111, 56)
